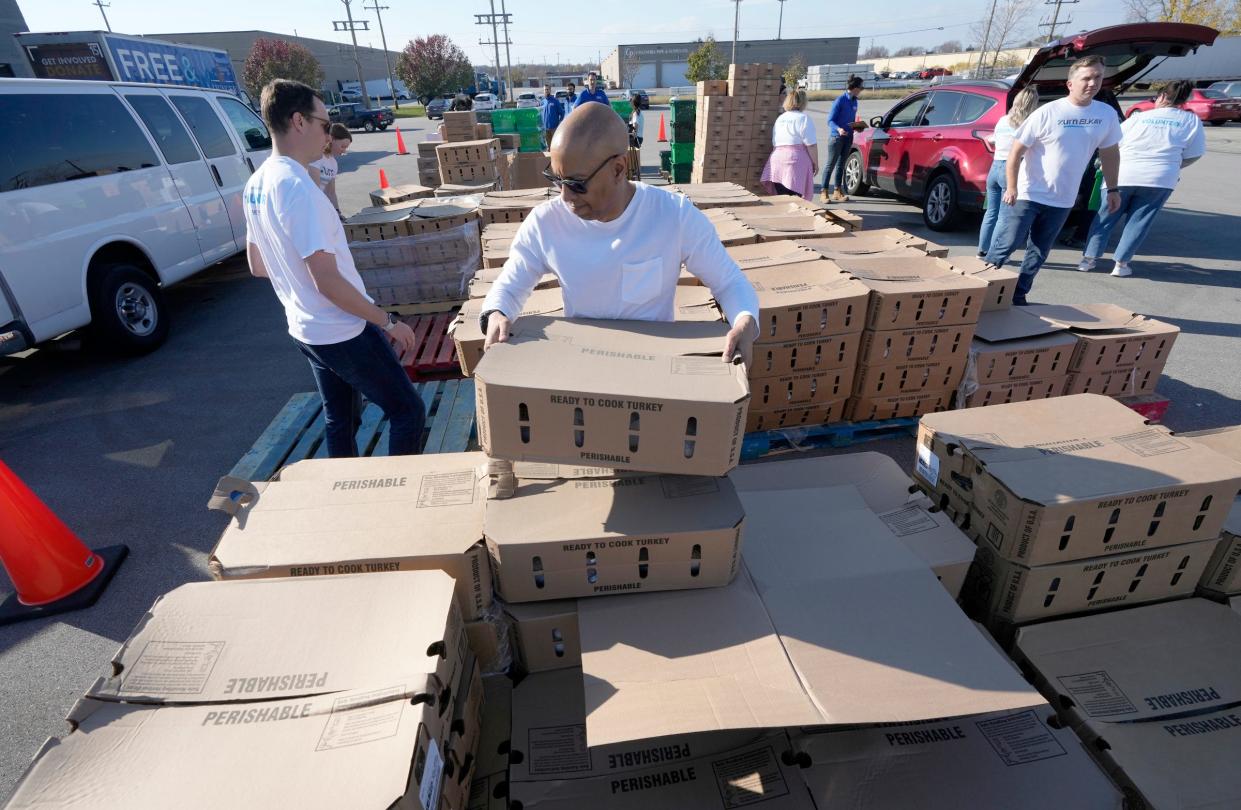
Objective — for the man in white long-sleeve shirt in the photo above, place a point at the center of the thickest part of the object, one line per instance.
(616, 246)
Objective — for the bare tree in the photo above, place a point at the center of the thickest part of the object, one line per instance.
(1009, 27)
(910, 50)
(630, 64)
(951, 46)
(875, 52)
(1224, 15)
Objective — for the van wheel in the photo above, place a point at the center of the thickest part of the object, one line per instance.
(939, 206)
(854, 185)
(128, 310)
(369, 126)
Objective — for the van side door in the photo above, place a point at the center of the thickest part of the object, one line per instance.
(227, 167)
(250, 130)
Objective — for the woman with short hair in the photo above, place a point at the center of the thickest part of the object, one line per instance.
(794, 157)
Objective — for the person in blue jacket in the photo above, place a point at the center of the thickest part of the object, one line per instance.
(553, 114)
(591, 92)
(841, 123)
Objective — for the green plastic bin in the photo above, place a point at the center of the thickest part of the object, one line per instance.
(682, 153)
(530, 142)
(681, 132)
(504, 120)
(623, 108)
(665, 160)
(683, 110)
(681, 172)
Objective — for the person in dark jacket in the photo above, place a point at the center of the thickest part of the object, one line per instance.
(592, 92)
(553, 114)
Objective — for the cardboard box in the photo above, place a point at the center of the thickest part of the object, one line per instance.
(1121, 382)
(799, 389)
(546, 635)
(807, 299)
(791, 222)
(897, 406)
(713, 87)
(1153, 692)
(807, 634)
(919, 291)
(460, 122)
(888, 492)
(716, 195)
(1020, 391)
(479, 177)
(489, 786)
(364, 515)
(155, 757)
(1079, 476)
(378, 224)
(898, 379)
(469, 337)
(482, 131)
(491, 640)
(731, 231)
(527, 170)
(770, 254)
(569, 538)
(863, 243)
(1021, 760)
(814, 354)
(1000, 282)
(1011, 345)
(1008, 593)
(426, 149)
(636, 395)
(798, 416)
(1111, 337)
(398, 194)
(1223, 573)
(918, 343)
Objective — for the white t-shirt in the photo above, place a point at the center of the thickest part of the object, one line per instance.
(793, 128)
(1062, 138)
(1003, 138)
(327, 170)
(290, 219)
(1155, 143)
(626, 268)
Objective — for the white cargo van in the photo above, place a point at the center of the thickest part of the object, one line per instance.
(108, 193)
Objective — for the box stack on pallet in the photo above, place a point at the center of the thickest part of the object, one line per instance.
(525, 123)
(1222, 578)
(472, 164)
(1076, 503)
(683, 131)
(835, 77)
(429, 163)
(733, 122)
(512, 207)
(459, 126)
(392, 195)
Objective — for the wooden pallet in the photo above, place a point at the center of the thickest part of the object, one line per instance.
(297, 432)
(435, 355)
(839, 434)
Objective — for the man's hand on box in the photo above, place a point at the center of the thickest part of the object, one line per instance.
(739, 342)
(497, 329)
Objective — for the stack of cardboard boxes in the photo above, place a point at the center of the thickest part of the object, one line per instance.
(459, 126)
(1076, 504)
(1222, 578)
(473, 163)
(429, 162)
(733, 121)
(1015, 357)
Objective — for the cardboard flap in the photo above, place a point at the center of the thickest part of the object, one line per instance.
(912, 269)
(383, 214)
(770, 254)
(447, 206)
(808, 635)
(1086, 317)
(1012, 324)
(234, 495)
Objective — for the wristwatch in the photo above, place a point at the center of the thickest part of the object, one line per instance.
(482, 320)
(391, 322)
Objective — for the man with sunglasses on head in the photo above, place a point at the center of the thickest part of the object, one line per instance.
(616, 246)
(295, 239)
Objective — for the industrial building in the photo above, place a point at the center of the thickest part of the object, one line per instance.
(664, 65)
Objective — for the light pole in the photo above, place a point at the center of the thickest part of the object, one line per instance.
(508, 61)
(102, 5)
(736, 25)
(352, 27)
(375, 7)
(780, 26)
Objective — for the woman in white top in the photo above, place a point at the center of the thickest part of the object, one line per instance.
(1154, 147)
(794, 159)
(635, 123)
(1024, 104)
(324, 170)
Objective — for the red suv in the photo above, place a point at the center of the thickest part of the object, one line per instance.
(935, 146)
(1212, 106)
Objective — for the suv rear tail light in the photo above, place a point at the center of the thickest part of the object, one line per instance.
(987, 137)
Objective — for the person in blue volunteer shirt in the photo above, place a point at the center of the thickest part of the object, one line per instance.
(553, 114)
(841, 123)
(592, 92)
(1044, 170)
(1154, 147)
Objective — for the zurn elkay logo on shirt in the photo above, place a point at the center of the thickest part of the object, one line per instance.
(1079, 123)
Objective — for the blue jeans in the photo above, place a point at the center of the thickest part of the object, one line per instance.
(1140, 205)
(838, 147)
(1036, 225)
(365, 365)
(997, 182)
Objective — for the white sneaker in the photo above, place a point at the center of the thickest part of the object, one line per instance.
(1086, 264)
(1121, 270)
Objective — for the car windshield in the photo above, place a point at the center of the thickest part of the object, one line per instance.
(1209, 93)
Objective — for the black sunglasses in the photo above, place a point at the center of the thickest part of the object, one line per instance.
(577, 186)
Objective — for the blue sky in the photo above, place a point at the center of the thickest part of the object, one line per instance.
(544, 28)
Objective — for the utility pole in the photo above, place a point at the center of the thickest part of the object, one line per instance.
(493, 20)
(986, 36)
(736, 25)
(102, 5)
(353, 27)
(780, 26)
(375, 7)
(508, 60)
(1055, 17)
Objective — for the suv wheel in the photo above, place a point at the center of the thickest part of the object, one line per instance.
(854, 185)
(127, 309)
(369, 126)
(939, 206)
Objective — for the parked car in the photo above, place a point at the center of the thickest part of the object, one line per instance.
(1214, 107)
(484, 102)
(355, 116)
(931, 73)
(644, 100)
(935, 146)
(527, 100)
(437, 106)
(1230, 89)
(110, 192)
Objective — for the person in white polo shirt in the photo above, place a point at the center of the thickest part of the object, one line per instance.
(294, 238)
(616, 246)
(1050, 152)
(1154, 148)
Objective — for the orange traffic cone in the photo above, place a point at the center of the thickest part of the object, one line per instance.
(51, 570)
(663, 136)
(400, 143)
(383, 179)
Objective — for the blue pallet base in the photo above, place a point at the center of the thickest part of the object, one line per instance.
(839, 434)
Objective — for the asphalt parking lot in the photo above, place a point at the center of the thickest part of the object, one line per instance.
(128, 450)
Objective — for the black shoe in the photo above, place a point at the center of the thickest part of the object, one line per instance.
(1020, 301)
